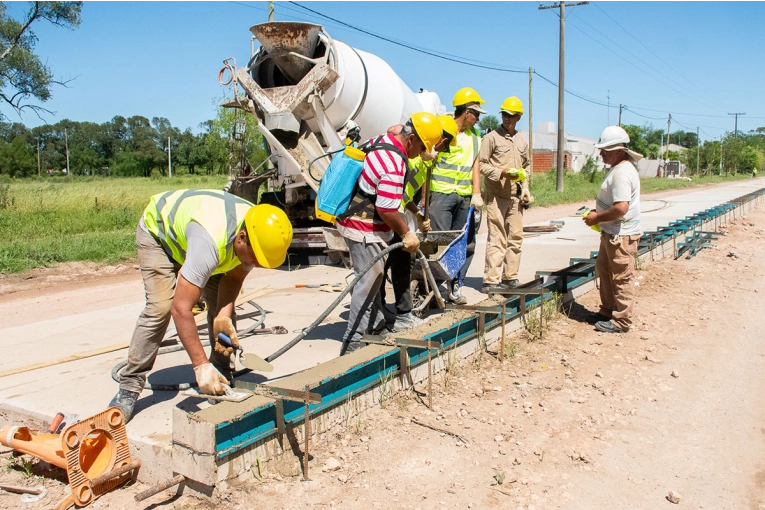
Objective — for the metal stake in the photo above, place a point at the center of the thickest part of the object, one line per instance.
(280, 430)
(502, 344)
(307, 432)
(541, 315)
(430, 377)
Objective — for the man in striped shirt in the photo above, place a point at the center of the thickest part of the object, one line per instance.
(374, 217)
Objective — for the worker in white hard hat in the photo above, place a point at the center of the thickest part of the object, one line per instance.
(504, 159)
(456, 181)
(618, 214)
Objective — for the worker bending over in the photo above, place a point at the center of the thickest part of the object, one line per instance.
(456, 183)
(190, 243)
(400, 262)
(373, 217)
(504, 159)
(618, 214)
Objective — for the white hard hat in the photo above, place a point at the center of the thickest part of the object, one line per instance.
(612, 138)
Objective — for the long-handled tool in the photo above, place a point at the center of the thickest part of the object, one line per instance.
(251, 361)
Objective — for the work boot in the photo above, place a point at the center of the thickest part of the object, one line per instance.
(594, 318)
(511, 284)
(455, 296)
(608, 327)
(125, 400)
(406, 321)
(493, 287)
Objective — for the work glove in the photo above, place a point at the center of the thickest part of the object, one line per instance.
(411, 242)
(422, 223)
(225, 326)
(517, 174)
(428, 156)
(476, 201)
(525, 196)
(209, 380)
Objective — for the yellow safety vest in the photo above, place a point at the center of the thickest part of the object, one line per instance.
(221, 214)
(454, 170)
(416, 173)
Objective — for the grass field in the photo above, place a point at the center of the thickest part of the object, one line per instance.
(51, 220)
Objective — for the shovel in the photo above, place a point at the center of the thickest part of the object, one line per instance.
(251, 361)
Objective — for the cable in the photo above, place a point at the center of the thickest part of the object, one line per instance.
(116, 371)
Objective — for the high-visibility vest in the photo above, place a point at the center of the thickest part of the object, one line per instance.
(454, 170)
(221, 214)
(416, 173)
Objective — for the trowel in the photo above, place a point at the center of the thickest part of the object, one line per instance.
(251, 361)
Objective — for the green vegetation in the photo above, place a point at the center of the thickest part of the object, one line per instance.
(582, 187)
(50, 220)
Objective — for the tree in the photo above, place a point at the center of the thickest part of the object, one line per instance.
(22, 74)
(489, 123)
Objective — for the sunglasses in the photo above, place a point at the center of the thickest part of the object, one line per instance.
(477, 114)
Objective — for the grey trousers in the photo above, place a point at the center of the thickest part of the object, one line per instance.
(366, 305)
(160, 274)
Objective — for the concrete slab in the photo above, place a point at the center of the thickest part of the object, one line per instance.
(67, 323)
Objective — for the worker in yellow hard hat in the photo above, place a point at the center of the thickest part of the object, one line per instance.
(456, 181)
(373, 217)
(399, 262)
(194, 243)
(504, 160)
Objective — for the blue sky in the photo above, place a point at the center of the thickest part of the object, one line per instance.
(698, 61)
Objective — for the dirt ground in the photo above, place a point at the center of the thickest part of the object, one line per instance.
(576, 420)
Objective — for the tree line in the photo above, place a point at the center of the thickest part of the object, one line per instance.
(128, 146)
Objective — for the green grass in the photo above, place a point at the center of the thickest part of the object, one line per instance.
(577, 188)
(51, 220)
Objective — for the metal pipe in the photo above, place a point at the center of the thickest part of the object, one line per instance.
(159, 488)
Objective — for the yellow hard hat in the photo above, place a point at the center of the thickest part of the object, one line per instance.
(270, 234)
(466, 95)
(428, 128)
(449, 125)
(512, 105)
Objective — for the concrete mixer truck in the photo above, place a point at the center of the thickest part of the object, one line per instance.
(307, 92)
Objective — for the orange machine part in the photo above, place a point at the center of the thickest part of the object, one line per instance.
(87, 450)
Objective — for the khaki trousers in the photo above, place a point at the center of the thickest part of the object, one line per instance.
(503, 247)
(160, 275)
(616, 268)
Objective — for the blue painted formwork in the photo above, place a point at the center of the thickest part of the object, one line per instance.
(260, 424)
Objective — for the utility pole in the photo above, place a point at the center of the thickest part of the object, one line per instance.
(531, 130)
(66, 143)
(608, 108)
(621, 107)
(270, 11)
(561, 86)
(697, 150)
(169, 161)
(38, 158)
(669, 123)
(735, 123)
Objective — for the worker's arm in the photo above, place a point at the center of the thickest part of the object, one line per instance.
(525, 163)
(229, 288)
(412, 208)
(615, 212)
(477, 175)
(394, 220)
(186, 296)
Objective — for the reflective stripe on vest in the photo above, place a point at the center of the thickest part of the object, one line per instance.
(415, 176)
(220, 214)
(454, 171)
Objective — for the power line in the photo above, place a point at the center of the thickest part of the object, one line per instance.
(684, 92)
(477, 63)
(654, 54)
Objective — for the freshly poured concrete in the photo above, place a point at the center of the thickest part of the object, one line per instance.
(71, 322)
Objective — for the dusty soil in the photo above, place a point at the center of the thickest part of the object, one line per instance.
(577, 420)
